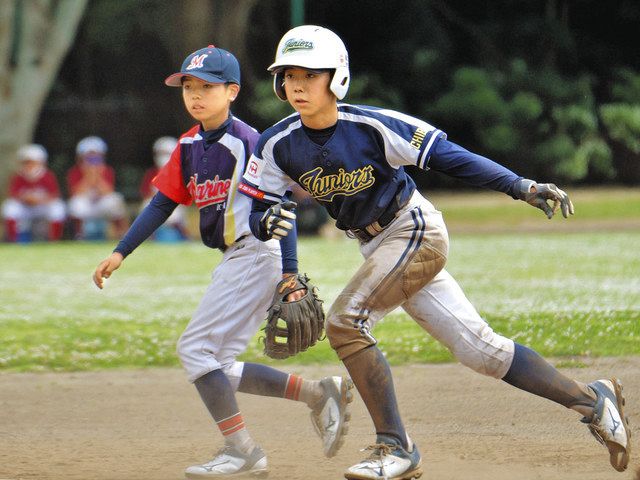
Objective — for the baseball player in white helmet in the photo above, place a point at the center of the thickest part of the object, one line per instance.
(351, 159)
(204, 169)
(92, 187)
(33, 194)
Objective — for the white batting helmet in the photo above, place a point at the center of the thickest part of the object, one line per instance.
(162, 149)
(33, 151)
(315, 48)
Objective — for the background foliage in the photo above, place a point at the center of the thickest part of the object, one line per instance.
(549, 88)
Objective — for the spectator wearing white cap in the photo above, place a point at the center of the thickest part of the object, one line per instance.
(91, 184)
(174, 227)
(34, 195)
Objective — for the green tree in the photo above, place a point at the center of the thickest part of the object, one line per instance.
(34, 38)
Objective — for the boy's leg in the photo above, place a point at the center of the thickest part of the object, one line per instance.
(240, 453)
(399, 262)
(442, 309)
(226, 319)
(328, 399)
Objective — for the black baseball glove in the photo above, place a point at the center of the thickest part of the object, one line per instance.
(293, 327)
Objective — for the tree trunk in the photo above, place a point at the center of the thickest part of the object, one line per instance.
(35, 35)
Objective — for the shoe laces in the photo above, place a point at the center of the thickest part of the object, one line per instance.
(378, 451)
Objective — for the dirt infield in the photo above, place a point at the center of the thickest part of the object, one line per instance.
(150, 424)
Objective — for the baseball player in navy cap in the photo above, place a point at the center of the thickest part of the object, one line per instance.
(205, 169)
(351, 159)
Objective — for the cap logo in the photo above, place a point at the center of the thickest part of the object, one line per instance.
(296, 44)
(197, 61)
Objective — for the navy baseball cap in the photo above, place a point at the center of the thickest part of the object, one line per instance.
(210, 64)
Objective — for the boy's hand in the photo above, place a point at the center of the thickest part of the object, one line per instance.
(537, 194)
(276, 219)
(106, 268)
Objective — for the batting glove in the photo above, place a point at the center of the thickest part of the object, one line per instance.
(537, 194)
(277, 219)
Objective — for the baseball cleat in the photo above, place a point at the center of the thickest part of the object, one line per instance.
(230, 463)
(330, 417)
(388, 461)
(608, 424)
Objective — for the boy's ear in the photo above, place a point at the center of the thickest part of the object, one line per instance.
(234, 88)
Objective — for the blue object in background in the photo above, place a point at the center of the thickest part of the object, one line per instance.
(168, 234)
(95, 229)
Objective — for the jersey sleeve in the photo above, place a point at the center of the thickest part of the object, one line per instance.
(407, 140)
(263, 180)
(171, 182)
(455, 161)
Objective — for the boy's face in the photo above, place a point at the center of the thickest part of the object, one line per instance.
(30, 168)
(208, 102)
(308, 93)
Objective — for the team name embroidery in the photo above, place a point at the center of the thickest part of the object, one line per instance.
(418, 138)
(197, 61)
(297, 44)
(326, 187)
(209, 192)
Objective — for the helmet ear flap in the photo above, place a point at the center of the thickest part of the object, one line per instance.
(278, 86)
(340, 82)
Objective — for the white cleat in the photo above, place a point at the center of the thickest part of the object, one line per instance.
(230, 463)
(330, 417)
(388, 461)
(608, 424)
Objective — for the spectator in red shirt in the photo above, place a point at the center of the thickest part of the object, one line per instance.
(34, 195)
(91, 184)
(175, 226)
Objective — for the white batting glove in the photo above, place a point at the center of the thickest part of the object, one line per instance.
(276, 219)
(537, 194)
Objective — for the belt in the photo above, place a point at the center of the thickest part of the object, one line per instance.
(373, 229)
(225, 247)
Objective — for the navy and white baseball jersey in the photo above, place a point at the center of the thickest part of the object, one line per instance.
(358, 174)
(207, 171)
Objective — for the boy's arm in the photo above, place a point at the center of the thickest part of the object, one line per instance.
(153, 215)
(456, 161)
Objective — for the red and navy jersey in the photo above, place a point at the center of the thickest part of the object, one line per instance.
(208, 175)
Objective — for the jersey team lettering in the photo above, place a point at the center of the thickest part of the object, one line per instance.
(297, 44)
(209, 192)
(324, 188)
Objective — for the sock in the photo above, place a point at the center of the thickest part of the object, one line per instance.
(236, 434)
(262, 380)
(301, 390)
(55, 231)
(218, 396)
(78, 227)
(11, 230)
(372, 377)
(531, 373)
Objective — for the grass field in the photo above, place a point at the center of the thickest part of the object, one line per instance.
(571, 289)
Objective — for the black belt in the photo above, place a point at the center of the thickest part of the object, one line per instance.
(373, 229)
(225, 247)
